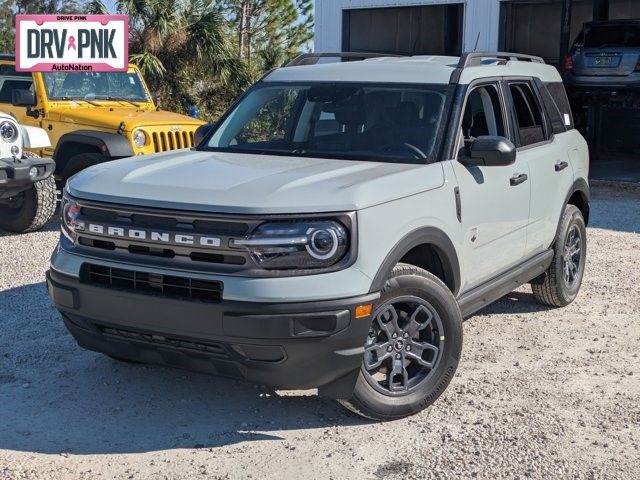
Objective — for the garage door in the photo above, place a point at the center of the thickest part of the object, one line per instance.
(426, 30)
(533, 26)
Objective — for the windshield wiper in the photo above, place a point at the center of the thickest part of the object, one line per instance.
(118, 99)
(74, 99)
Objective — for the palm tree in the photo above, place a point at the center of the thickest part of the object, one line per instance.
(179, 43)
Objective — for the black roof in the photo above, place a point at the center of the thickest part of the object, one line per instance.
(7, 56)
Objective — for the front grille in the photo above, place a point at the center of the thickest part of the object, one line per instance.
(218, 230)
(152, 283)
(215, 349)
(164, 141)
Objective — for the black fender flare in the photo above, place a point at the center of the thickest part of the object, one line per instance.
(111, 145)
(432, 236)
(580, 186)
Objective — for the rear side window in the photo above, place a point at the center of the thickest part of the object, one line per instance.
(559, 96)
(528, 114)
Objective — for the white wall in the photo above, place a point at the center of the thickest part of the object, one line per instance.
(479, 16)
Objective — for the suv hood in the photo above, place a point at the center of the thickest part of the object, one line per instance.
(251, 184)
(111, 116)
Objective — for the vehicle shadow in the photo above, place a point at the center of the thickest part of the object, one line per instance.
(56, 397)
(514, 302)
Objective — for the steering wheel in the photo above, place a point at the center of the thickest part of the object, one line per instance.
(404, 147)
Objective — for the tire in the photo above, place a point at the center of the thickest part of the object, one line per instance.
(559, 289)
(80, 162)
(30, 210)
(377, 394)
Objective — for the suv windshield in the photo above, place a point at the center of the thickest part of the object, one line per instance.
(95, 86)
(340, 120)
(599, 36)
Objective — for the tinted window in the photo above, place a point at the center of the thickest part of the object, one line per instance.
(11, 80)
(559, 96)
(600, 36)
(9, 85)
(353, 121)
(528, 114)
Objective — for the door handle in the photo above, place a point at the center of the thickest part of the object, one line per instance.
(517, 179)
(561, 166)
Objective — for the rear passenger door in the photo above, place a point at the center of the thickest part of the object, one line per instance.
(550, 174)
(494, 208)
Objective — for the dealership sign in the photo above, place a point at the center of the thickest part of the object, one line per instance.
(72, 43)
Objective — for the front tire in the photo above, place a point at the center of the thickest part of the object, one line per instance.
(563, 278)
(413, 348)
(30, 210)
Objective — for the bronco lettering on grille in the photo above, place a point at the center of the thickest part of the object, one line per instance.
(149, 235)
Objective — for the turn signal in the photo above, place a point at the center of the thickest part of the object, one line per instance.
(363, 311)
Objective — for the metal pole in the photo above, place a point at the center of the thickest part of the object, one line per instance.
(600, 10)
(565, 31)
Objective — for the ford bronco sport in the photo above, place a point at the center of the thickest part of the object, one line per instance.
(334, 227)
(92, 117)
(27, 189)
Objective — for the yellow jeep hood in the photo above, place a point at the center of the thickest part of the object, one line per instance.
(111, 117)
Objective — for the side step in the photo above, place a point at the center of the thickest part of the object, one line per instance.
(482, 295)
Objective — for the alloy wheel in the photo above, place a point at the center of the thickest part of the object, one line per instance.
(404, 345)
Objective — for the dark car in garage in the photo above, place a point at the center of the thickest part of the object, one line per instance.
(605, 55)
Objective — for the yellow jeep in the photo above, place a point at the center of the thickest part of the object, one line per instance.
(91, 117)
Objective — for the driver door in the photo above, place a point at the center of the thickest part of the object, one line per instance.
(494, 207)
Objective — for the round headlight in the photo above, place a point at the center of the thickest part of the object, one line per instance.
(15, 150)
(139, 138)
(323, 243)
(8, 131)
(33, 173)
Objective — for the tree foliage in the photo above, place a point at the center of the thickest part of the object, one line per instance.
(194, 52)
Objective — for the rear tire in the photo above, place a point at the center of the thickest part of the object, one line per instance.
(563, 278)
(30, 210)
(410, 355)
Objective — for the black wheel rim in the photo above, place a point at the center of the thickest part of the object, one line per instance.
(572, 257)
(404, 345)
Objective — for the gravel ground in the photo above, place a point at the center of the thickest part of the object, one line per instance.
(540, 393)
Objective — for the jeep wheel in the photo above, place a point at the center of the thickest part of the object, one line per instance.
(81, 161)
(413, 347)
(30, 210)
(563, 279)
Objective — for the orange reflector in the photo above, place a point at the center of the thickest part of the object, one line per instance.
(364, 310)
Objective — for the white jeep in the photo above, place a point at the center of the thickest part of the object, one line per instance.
(334, 227)
(27, 189)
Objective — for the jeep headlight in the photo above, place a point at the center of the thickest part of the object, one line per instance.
(8, 131)
(139, 138)
(297, 245)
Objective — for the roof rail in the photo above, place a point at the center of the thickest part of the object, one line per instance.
(472, 59)
(313, 58)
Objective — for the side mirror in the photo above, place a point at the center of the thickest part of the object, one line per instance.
(490, 151)
(23, 98)
(201, 132)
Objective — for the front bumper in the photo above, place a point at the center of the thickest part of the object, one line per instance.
(287, 345)
(14, 174)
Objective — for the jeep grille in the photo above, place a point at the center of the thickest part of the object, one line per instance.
(167, 140)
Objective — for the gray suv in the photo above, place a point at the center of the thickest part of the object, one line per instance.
(605, 55)
(334, 227)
